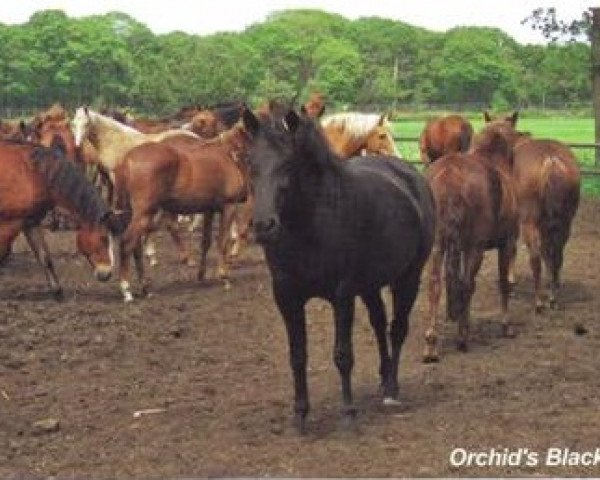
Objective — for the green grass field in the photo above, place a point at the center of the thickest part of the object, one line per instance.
(566, 129)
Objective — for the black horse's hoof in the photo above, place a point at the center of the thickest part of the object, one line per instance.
(300, 424)
(58, 294)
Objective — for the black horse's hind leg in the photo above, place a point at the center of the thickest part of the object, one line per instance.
(378, 320)
(37, 243)
(291, 308)
(343, 356)
(404, 293)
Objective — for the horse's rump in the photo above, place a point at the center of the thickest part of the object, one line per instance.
(441, 136)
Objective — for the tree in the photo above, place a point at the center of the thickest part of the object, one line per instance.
(553, 28)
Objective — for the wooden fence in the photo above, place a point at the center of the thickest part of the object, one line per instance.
(585, 171)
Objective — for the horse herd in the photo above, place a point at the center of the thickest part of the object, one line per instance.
(337, 213)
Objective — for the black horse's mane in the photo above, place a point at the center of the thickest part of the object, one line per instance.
(66, 178)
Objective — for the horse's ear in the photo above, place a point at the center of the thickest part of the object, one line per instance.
(291, 121)
(383, 120)
(251, 123)
(23, 127)
(487, 117)
(86, 110)
(303, 110)
(320, 114)
(513, 118)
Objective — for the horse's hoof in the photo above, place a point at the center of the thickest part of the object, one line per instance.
(127, 297)
(391, 402)
(431, 358)
(300, 424)
(58, 294)
(508, 331)
(539, 307)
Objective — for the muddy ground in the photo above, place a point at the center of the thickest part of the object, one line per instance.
(215, 363)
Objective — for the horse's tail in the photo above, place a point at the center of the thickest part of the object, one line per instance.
(465, 136)
(66, 181)
(451, 216)
(560, 197)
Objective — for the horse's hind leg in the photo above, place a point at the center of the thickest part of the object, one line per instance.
(378, 321)
(404, 293)
(184, 251)
(466, 287)
(504, 257)
(207, 222)
(431, 353)
(552, 252)
(224, 242)
(8, 233)
(37, 243)
(531, 235)
(343, 356)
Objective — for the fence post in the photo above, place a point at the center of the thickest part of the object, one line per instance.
(596, 75)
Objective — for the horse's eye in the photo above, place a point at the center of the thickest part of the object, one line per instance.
(382, 136)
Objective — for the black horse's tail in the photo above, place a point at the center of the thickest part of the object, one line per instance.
(64, 179)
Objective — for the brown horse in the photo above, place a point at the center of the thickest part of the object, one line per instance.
(351, 134)
(315, 105)
(449, 134)
(547, 182)
(33, 179)
(476, 211)
(211, 121)
(180, 175)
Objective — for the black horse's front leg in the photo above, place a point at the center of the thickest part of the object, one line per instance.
(291, 308)
(343, 356)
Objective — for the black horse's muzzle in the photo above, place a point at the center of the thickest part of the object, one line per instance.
(267, 230)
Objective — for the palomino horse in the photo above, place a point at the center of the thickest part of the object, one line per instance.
(180, 175)
(476, 211)
(112, 140)
(338, 230)
(33, 179)
(449, 134)
(351, 134)
(547, 182)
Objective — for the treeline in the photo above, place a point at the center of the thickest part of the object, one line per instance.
(114, 60)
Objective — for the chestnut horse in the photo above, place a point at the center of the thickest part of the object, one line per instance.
(315, 105)
(211, 121)
(180, 175)
(351, 134)
(547, 182)
(449, 134)
(34, 179)
(112, 140)
(476, 211)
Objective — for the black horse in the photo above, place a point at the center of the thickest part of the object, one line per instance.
(337, 230)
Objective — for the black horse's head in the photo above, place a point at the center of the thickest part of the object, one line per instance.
(287, 147)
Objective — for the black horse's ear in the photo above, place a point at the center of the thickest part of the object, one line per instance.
(487, 117)
(251, 123)
(513, 118)
(291, 121)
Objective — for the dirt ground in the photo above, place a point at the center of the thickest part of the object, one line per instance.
(215, 363)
